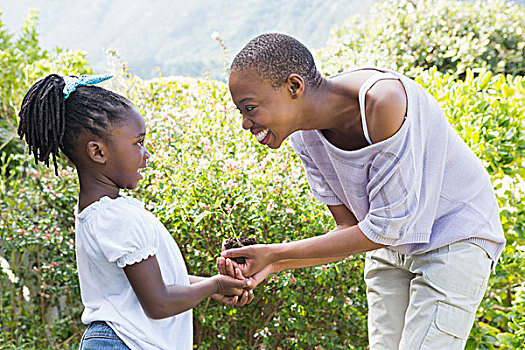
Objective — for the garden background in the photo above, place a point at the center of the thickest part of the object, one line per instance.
(207, 180)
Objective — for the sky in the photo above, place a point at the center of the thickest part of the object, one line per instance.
(175, 35)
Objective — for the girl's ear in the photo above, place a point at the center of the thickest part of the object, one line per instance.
(96, 152)
(295, 85)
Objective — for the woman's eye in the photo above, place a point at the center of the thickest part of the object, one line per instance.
(249, 108)
(141, 142)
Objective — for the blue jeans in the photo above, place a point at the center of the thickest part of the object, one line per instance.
(100, 336)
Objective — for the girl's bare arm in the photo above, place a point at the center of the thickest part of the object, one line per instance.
(160, 301)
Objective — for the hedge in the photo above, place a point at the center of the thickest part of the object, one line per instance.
(208, 180)
(413, 35)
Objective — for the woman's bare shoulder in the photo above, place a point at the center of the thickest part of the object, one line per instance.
(386, 106)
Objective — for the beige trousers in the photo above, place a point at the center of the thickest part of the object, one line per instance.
(426, 301)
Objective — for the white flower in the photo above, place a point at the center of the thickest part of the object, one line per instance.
(215, 36)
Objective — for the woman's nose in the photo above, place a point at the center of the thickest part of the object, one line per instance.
(246, 123)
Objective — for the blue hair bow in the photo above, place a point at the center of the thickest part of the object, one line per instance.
(73, 82)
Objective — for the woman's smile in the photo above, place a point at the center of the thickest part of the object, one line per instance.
(262, 135)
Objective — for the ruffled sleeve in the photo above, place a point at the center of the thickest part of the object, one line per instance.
(125, 234)
(318, 185)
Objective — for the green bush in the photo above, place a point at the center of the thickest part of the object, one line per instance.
(413, 35)
(22, 61)
(41, 299)
(208, 180)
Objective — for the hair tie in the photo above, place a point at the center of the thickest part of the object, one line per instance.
(73, 82)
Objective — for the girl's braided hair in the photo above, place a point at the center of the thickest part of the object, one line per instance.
(274, 57)
(49, 122)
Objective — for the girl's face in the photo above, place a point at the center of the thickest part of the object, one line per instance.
(126, 153)
(267, 112)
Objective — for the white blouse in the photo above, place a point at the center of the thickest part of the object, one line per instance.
(113, 233)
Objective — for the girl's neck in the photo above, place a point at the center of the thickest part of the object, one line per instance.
(92, 190)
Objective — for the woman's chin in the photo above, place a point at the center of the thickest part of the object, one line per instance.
(275, 144)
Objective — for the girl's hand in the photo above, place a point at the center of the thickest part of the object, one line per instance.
(245, 298)
(229, 286)
(257, 258)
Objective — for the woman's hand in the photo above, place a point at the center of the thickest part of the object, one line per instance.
(229, 267)
(257, 258)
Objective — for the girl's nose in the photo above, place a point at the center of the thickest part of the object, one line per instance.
(146, 154)
(246, 123)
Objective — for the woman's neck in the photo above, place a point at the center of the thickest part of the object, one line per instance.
(336, 113)
(333, 106)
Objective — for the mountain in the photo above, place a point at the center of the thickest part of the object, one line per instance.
(175, 35)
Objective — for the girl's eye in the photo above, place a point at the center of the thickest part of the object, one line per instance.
(141, 142)
(249, 108)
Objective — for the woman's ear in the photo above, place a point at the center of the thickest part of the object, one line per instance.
(96, 152)
(295, 85)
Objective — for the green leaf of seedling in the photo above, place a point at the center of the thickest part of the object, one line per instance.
(238, 200)
(218, 203)
(202, 216)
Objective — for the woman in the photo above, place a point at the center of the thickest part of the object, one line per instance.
(398, 180)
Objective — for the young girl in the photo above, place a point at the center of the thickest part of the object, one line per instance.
(398, 180)
(134, 285)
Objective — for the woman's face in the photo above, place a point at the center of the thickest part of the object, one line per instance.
(267, 112)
